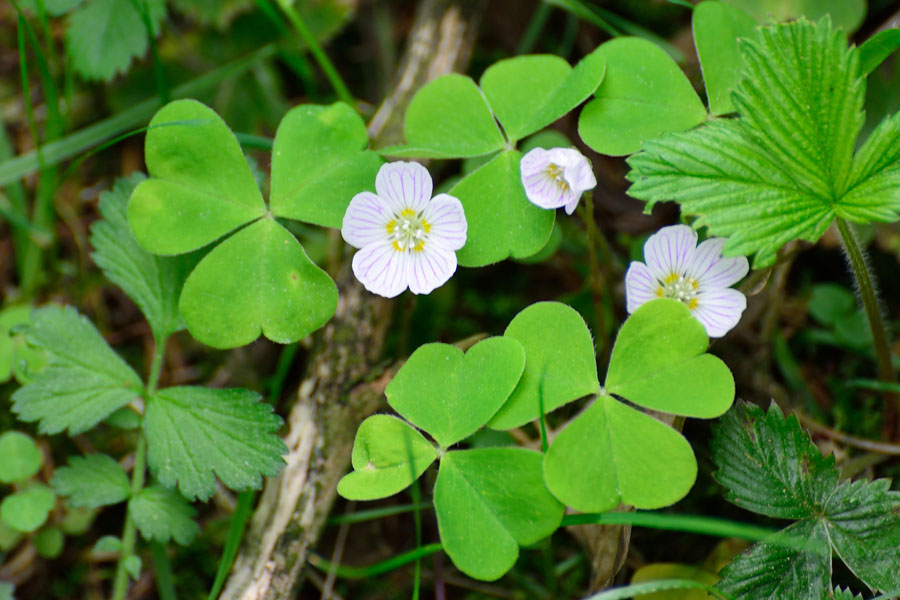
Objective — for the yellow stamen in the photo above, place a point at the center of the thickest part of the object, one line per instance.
(426, 225)
(659, 292)
(396, 246)
(692, 304)
(391, 226)
(419, 245)
(407, 212)
(671, 278)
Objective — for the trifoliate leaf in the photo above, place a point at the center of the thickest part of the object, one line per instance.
(19, 457)
(153, 282)
(94, 480)
(162, 514)
(785, 168)
(85, 380)
(27, 510)
(388, 455)
(560, 365)
(451, 395)
(49, 542)
(489, 502)
(104, 35)
(769, 465)
(319, 162)
(196, 434)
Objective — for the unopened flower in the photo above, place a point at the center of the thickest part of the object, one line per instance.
(556, 177)
(407, 238)
(697, 275)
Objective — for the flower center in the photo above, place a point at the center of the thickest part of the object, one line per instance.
(555, 172)
(408, 231)
(680, 288)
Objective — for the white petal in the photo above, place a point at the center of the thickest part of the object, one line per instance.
(577, 171)
(365, 221)
(430, 268)
(404, 185)
(541, 189)
(712, 271)
(381, 269)
(719, 310)
(640, 286)
(670, 251)
(447, 219)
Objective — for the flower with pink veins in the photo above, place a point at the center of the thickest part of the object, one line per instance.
(406, 237)
(556, 177)
(696, 275)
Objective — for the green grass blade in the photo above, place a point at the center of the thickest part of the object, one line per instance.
(377, 513)
(239, 521)
(377, 569)
(165, 581)
(669, 522)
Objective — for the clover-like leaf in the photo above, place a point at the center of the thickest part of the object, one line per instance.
(451, 395)
(559, 362)
(200, 186)
(27, 510)
(319, 162)
(640, 79)
(85, 380)
(162, 514)
(19, 457)
(388, 455)
(259, 280)
(196, 434)
(527, 93)
(92, 481)
(620, 455)
(488, 502)
(659, 362)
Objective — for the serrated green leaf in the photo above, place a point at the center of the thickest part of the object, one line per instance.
(844, 594)
(450, 395)
(527, 93)
(782, 571)
(17, 358)
(659, 362)
(874, 190)
(19, 457)
(501, 220)
(85, 380)
(877, 48)
(27, 510)
(319, 162)
(162, 514)
(640, 79)
(560, 365)
(381, 457)
(94, 480)
(488, 502)
(153, 282)
(769, 465)
(259, 280)
(450, 116)
(103, 36)
(717, 28)
(200, 185)
(620, 455)
(49, 542)
(196, 434)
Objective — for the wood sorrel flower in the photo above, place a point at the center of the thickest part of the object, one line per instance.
(556, 177)
(697, 275)
(407, 238)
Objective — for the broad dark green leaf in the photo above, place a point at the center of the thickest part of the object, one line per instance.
(162, 515)
(92, 481)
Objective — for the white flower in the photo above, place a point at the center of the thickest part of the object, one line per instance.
(407, 238)
(697, 275)
(557, 177)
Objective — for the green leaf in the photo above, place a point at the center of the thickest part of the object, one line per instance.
(659, 362)
(19, 457)
(830, 303)
(27, 510)
(381, 457)
(107, 544)
(450, 117)
(9, 537)
(161, 515)
(877, 48)
(501, 220)
(640, 79)
(527, 93)
(49, 542)
(845, 594)
(133, 566)
(769, 465)
(664, 571)
(782, 170)
(450, 395)
(319, 162)
(488, 502)
(6, 591)
(621, 456)
(153, 282)
(559, 362)
(85, 380)
(775, 571)
(94, 480)
(846, 14)
(195, 434)
(717, 28)
(259, 280)
(17, 357)
(200, 185)
(103, 36)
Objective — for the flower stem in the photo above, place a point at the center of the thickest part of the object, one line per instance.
(866, 285)
(596, 280)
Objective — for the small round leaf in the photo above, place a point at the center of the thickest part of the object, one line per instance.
(19, 457)
(49, 542)
(27, 510)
